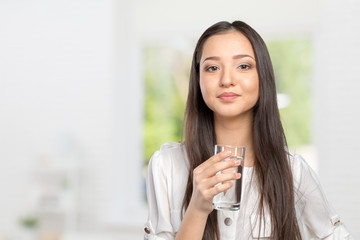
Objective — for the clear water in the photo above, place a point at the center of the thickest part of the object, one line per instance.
(230, 199)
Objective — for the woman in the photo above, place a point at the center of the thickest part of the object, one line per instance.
(232, 101)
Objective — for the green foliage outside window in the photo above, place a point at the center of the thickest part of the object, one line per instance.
(166, 75)
(291, 60)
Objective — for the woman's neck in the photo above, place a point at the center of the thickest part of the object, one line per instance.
(236, 131)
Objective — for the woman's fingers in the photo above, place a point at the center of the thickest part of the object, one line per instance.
(214, 159)
(221, 178)
(219, 188)
(207, 192)
(203, 178)
(220, 166)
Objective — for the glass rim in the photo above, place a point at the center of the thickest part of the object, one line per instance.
(229, 146)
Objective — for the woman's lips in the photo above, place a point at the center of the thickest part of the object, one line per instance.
(228, 96)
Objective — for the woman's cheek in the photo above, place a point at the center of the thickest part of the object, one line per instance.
(250, 84)
(204, 93)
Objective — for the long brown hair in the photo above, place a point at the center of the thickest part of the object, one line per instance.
(272, 168)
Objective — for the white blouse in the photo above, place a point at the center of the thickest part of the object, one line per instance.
(166, 182)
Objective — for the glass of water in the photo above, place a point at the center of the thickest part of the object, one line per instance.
(231, 198)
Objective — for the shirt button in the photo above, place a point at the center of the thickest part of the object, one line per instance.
(147, 230)
(228, 221)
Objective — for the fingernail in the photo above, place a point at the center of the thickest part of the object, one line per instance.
(237, 162)
(228, 153)
(238, 175)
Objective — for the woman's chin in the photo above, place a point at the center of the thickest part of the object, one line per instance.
(233, 114)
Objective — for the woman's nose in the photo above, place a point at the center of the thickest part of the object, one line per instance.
(226, 79)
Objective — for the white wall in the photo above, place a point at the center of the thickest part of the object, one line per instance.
(70, 73)
(336, 106)
(125, 193)
(70, 85)
(163, 20)
(55, 90)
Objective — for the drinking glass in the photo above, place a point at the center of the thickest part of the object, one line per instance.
(231, 198)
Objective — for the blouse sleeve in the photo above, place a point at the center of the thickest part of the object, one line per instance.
(158, 226)
(319, 218)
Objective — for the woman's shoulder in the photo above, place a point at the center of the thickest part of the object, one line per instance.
(171, 155)
(172, 146)
(299, 165)
(171, 150)
(297, 161)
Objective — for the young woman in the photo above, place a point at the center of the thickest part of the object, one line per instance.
(232, 101)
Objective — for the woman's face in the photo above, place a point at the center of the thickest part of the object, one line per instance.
(229, 80)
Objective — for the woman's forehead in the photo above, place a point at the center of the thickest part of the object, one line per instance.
(227, 44)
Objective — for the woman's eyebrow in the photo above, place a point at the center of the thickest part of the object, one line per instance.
(238, 56)
(211, 58)
(242, 56)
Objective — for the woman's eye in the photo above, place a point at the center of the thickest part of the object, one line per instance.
(212, 68)
(244, 67)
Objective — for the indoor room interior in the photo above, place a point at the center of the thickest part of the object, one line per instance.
(89, 90)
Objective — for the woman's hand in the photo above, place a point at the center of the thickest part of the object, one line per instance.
(204, 190)
(205, 179)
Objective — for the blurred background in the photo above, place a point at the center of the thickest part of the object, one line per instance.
(90, 89)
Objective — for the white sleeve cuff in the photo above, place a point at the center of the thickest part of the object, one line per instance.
(149, 233)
